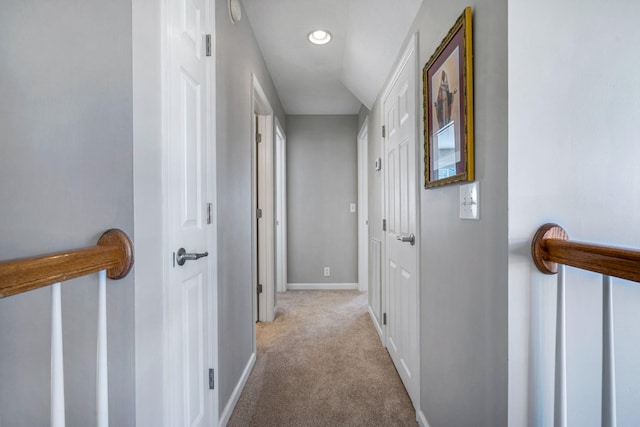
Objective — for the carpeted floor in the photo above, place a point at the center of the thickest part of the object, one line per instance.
(321, 363)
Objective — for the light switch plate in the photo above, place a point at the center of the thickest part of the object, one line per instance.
(352, 207)
(469, 201)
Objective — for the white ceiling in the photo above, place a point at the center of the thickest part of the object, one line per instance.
(337, 77)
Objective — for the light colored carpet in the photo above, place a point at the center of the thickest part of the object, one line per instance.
(321, 363)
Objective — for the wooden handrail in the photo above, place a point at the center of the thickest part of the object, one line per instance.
(113, 252)
(551, 246)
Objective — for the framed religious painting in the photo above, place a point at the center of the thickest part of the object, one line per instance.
(448, 108)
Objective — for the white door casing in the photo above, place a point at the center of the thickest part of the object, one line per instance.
(189, 319)
(363, 207)
(400, 211)
(263, 237)
(281, 209)
(262, 220)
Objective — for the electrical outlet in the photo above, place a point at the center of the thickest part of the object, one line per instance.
(352, 208)
(327, 272)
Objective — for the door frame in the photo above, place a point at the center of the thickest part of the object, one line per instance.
(281, 207)
(151, 111)
(262, 107)
(410, 48)
(363, 207)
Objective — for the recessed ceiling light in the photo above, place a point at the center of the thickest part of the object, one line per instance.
(320, 37)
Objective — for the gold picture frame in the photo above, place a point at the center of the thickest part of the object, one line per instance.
(448, 108)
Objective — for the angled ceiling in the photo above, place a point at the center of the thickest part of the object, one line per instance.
(338, 77)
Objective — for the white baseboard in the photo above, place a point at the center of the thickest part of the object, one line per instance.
(233, 399)
(421, 419)
(377, 326)
(320, 286)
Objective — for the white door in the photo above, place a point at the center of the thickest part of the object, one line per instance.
(189, 288)
(401, 267)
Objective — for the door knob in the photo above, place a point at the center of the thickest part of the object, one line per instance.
(410, 238)
(183, 256)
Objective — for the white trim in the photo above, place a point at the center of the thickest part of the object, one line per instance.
(165, 61)
(262, 107)
(321, 286)
(235, 396)
(375, 282)
(412, 45)
(363, 207)
(377, 325)
(212, 242)
(281, 207)
(421, 419)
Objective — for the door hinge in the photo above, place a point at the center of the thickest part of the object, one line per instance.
(259, 138)
(207, 45)
(384, 225)
(258, 213)
(384, 131)
(209, 213)
(211, 379)
(384, 318)
(259, 288)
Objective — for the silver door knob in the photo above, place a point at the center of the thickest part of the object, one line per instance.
(410, 238)
(183, 256)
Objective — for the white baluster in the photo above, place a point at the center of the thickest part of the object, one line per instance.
(560, 401)
(57, 360)
(102, 384)
(608, 356)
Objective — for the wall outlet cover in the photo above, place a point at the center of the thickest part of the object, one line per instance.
(470, 201)
(352, 208)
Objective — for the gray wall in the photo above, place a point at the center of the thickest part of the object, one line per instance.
(65, 177)
(574, 114)
(237, 57)
(463, 263)
(321, 183)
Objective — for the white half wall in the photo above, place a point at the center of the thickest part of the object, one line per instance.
(574, 121)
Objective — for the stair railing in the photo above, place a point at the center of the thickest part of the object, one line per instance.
(112, 257)
(551, 250)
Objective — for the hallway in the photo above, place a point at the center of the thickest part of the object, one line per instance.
(140, 116)
(321, 363)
